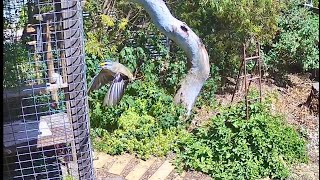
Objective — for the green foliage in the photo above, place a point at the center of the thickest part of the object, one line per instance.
(112, 37)
(231, 147)
(23, 17)
(224, 26)
(296, 45)
(107, 32)
(15, 67)
(69, 177)
(146, 122)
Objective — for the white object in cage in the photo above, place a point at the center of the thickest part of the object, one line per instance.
(44, 129)
(57, 79)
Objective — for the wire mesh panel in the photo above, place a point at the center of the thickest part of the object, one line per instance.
(46, 121)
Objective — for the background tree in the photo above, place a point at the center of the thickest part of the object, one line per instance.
(296, 46)
(225, 25)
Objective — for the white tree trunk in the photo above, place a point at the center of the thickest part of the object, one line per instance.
(181, 34)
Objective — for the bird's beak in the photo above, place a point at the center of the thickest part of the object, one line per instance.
(103, 64)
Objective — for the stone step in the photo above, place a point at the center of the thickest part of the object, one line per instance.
(102, 159)
(140, 169)
(152, 169)
(163, 171)
(119, 165)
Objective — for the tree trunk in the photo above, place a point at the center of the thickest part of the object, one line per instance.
(181, 34)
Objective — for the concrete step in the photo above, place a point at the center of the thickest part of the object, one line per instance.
(102, 160)
(140, 169)
(128, 167)
(121, 162)
(163, 171)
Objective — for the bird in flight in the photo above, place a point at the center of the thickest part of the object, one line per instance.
(115, 73)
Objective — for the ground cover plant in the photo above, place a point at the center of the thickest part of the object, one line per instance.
(231, 147)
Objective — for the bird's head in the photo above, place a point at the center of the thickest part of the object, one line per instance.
(117, 67)
(106, 64)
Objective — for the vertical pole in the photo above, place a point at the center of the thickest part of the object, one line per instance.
(48, 50)
(62, 57)
(259, 64)
(30, 12)
(254, 69)
(245, 80)
(60, 39)
(49, 58)
(237, 82)
(76, 95)
(36, 59)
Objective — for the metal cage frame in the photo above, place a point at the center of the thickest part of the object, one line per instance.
(46, 130)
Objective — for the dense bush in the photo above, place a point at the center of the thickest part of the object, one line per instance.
(145, 122)
(296, 47)
(231, 147)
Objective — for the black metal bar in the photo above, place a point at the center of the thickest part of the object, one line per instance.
(76, 79)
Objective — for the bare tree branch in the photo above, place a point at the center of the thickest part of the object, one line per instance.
(181, 34)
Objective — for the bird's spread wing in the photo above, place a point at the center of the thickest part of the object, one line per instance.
(116, 91)
(102, 78)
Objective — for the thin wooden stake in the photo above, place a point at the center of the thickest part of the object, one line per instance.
(245, 80)
(50, 62)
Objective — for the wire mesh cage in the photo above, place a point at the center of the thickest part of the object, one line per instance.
(46, 120)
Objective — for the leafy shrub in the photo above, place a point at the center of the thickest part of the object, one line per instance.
(146, 122)
(231, 147)
(296, 45)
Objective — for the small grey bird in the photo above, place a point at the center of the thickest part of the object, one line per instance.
(115, 73)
